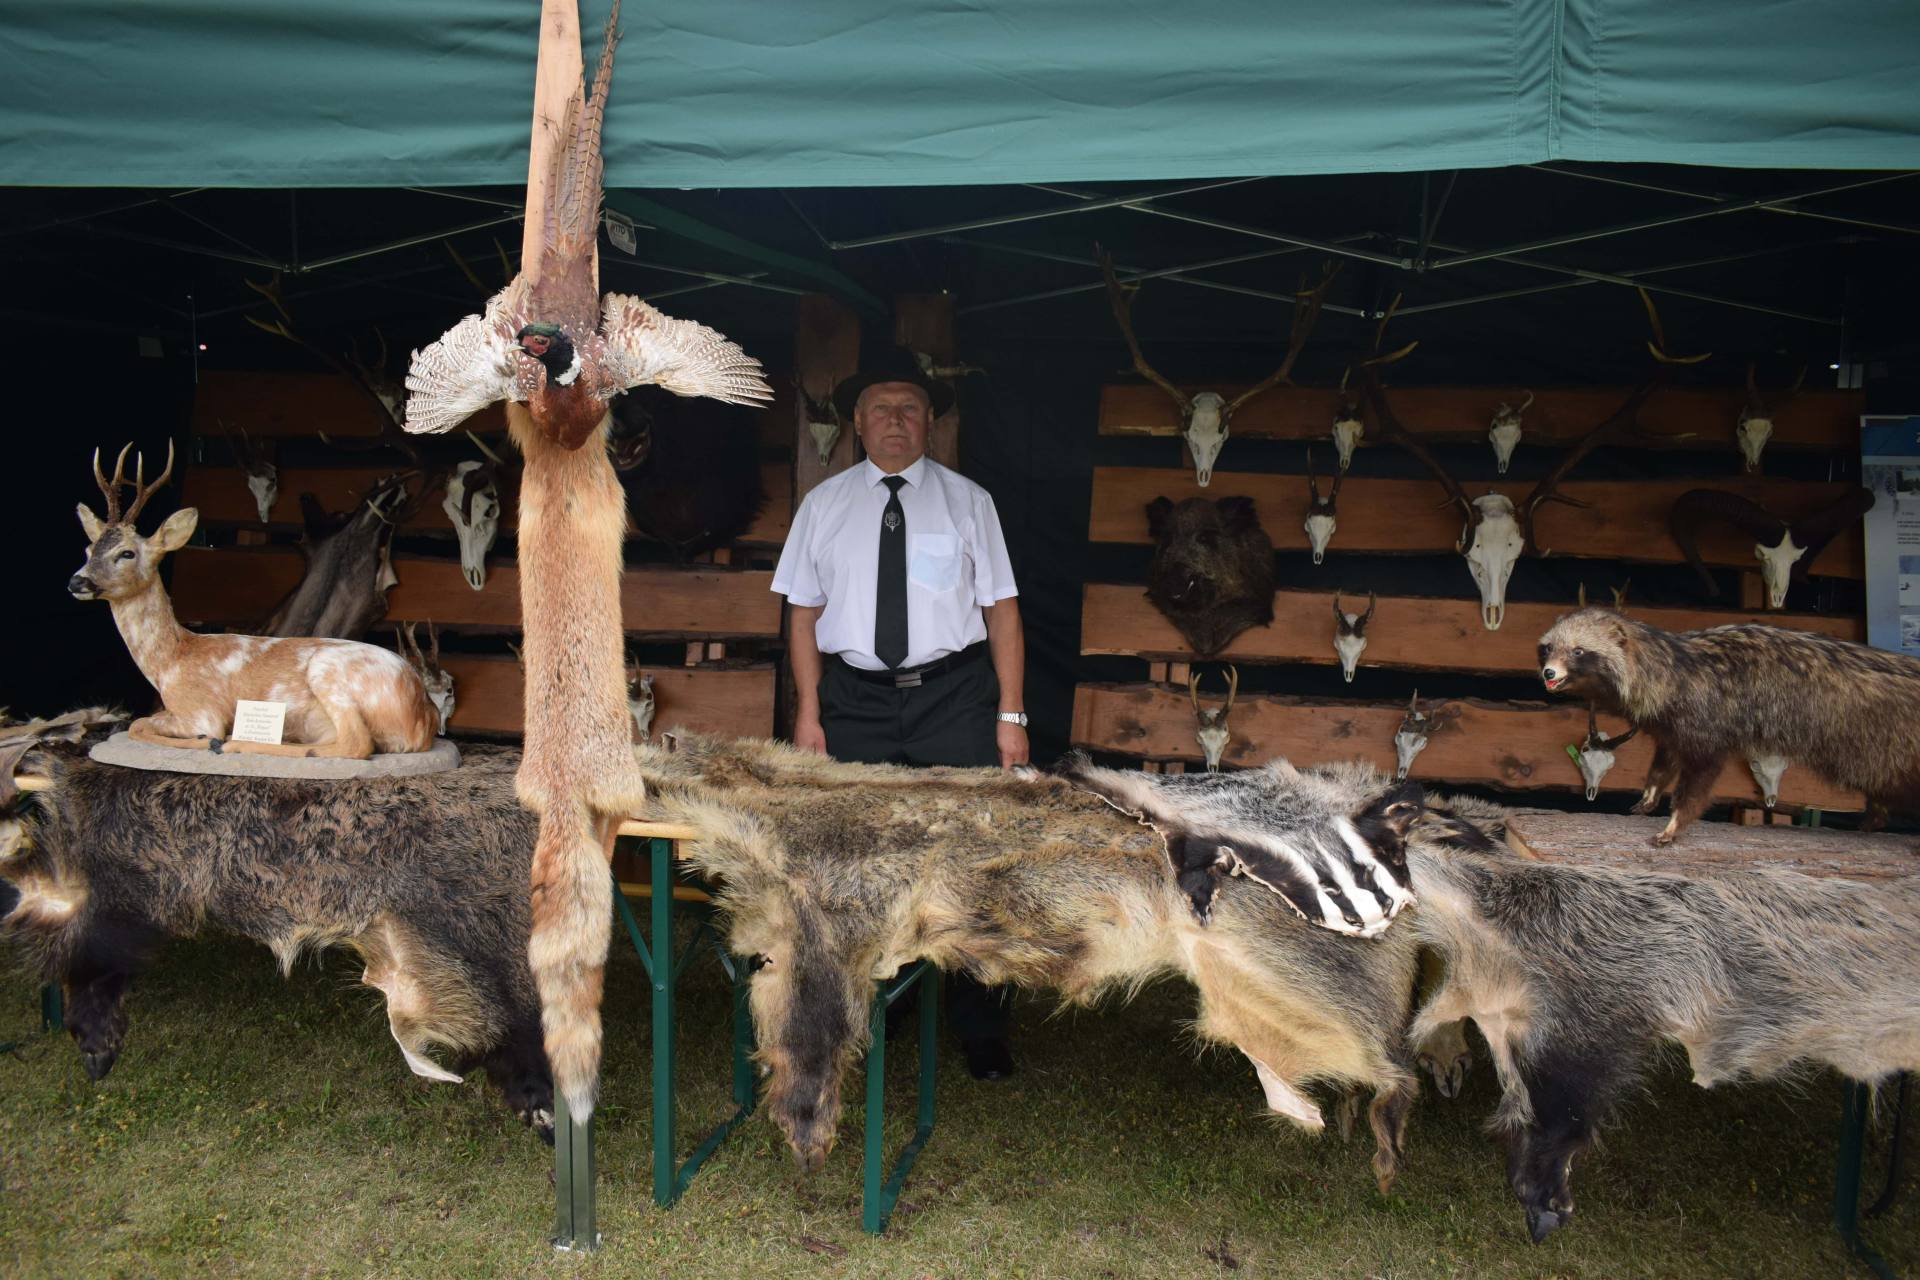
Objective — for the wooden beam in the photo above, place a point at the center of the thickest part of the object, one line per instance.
(222, 498)
(734, 702)
(1411, 633)
(1704, 416)
(557, 78)
(239, 587)
(1625, 519)
(923, 323)
(826, 349)
(299, 405)
(1515, 746)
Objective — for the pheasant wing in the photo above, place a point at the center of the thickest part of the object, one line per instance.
(472, 365)
(647, 348)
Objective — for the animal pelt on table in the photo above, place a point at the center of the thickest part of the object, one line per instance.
(835, 876)
(423, 878)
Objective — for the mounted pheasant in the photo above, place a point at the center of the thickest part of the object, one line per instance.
(557, 353)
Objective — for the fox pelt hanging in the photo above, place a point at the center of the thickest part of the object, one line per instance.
(557, 353)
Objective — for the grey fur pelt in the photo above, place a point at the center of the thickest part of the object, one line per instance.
(835, 876)
(425, 879)
(1845, 711)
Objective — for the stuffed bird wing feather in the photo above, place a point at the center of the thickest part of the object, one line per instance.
(472, 365)
(647, 348)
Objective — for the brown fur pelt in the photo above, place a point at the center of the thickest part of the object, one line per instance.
(422, 878)
(838, 875)
(1846, 711)
(578, 775)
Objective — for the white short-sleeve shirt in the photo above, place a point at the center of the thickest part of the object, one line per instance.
(956, 561)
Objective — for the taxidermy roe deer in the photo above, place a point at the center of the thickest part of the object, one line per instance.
(343, 698)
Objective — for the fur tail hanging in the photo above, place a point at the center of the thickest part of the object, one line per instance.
(572, 924)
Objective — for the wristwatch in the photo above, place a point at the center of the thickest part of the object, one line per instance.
(1014, 717)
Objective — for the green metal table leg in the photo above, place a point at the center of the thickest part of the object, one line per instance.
(53, 1014)
(1846, 1177)
(665, 1132)
(573, 1177)
(670, 1181)
(877, 1199)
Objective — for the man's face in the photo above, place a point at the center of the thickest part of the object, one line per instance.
(892, 420)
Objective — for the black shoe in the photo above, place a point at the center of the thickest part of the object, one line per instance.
(988, 1059)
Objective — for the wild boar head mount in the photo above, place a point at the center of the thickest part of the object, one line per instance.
(1212, 569)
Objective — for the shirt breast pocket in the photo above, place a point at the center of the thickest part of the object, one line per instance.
(935, 562)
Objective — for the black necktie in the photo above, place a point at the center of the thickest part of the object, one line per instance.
(890, 602)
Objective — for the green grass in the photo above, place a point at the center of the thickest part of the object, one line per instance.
(265, 1127)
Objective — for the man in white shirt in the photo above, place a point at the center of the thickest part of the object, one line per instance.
(905, 627)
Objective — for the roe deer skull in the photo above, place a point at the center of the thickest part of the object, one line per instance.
(1766, 772)
(1350, 634)
(1594, 756)
(1212, 734)
(1504, 434)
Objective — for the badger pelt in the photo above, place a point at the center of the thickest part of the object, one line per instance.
(1845, 711)
(835, 876)
(423, 878)
(1576, 975)
(1288, 830)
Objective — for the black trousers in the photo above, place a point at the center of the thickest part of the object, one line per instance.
(947, 720)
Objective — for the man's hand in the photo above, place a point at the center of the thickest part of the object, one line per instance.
(809, 736)
(1012, 741)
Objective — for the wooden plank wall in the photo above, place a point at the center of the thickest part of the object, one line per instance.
(1518, 746)
(1694, 418)
(718, 622)
(1437, 638)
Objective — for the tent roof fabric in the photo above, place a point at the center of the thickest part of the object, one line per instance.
(768, 93)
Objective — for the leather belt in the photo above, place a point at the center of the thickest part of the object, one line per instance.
(914, 677)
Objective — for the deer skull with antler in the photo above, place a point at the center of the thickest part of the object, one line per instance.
(1496, 529)
(1322, 514)
(1594, 756)
(263, 478)
(1785, 550)
(823, 423)
(1755, 427)
(438, 679)
(1206, 416)
(472, 503)
(1410, 739)
(1350, 634)
(1347, 426)
(1212, 733)
(1504, 434)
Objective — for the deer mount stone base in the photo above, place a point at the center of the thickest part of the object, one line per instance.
(122, 750)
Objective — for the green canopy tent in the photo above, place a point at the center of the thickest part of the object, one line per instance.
(757, 93)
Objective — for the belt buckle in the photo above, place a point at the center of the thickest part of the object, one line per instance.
(906, 680)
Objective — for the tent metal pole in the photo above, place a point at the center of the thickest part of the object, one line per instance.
(1634, 275)
(1034, 215)
(91, 214)
(407, 243)
(1648, 224)
(1324, 246)
(1697, 195)
(1631, 280)
(1130, 275)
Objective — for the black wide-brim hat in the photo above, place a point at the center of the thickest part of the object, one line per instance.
(896, 364)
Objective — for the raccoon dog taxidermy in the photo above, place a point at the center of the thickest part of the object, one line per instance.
(1844, 710)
